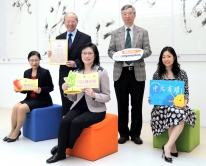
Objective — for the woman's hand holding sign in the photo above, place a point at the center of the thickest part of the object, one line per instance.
(89, 92)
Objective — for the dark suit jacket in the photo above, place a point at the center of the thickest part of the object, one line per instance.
(44, 82)
(73, 53)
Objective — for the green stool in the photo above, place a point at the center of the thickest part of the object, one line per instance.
(188, 139)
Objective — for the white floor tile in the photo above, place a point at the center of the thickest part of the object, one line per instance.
(25, 152)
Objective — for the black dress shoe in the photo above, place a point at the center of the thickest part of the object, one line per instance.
(137, 140)
(122, 140)
(54, 150)
(174, 154)
(56, 157)
(167, 159)
(13, 140)
(5, 138)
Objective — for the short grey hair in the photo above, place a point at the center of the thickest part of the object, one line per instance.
(70, 13)
(128, 6)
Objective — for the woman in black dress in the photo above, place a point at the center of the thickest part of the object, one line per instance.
(34, 99)
(171, 118)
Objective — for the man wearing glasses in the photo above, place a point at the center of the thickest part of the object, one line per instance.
(129, 76)
(76, 40)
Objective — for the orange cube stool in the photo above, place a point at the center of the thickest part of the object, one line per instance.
(97, 141)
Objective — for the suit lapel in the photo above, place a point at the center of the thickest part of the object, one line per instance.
(77, 37)
(28, 74)
(135, 36)
(95, 68)
(122, 36)
(38, 72)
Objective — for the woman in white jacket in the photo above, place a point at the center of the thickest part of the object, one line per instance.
(88, 107)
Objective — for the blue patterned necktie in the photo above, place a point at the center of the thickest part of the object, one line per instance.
(70, 40)
(128, 44)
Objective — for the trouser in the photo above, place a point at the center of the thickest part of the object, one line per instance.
(73, 124)
(127, 84)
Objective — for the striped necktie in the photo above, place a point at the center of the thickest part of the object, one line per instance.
(70, 40)
(128, 44)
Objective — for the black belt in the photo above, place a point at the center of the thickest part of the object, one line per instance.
(129, 68)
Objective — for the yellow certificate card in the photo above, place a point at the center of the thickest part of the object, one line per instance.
(77, 81)
(25, 84)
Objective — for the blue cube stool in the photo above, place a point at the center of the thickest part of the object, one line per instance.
(43, 123)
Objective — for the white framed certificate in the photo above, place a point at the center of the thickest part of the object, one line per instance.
(59, 50)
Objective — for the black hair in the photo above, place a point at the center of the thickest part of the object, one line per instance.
(34, 53)
(175, 67)
(96, 55)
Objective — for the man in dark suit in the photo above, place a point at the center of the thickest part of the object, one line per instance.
(129, 78)
(76, 41)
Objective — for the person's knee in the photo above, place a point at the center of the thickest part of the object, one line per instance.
(76, 123)
(23, 109)
(16, 106)
(182, 122)
(65, 122)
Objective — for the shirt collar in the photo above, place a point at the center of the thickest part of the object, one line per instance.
(125, 27)
(73, 33)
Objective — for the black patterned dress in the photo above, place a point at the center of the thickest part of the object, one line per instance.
(163, 117)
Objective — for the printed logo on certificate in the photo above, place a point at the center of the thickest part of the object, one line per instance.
(59, 50)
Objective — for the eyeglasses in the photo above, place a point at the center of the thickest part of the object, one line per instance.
(87, 53)
(34, 60)
(69, 22)
(127, 14)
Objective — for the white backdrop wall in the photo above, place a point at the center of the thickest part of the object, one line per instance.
(28, 25)
(31, 24)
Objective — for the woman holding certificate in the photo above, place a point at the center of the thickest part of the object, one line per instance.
(36, 98)
(88, 107)
(171, 118)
